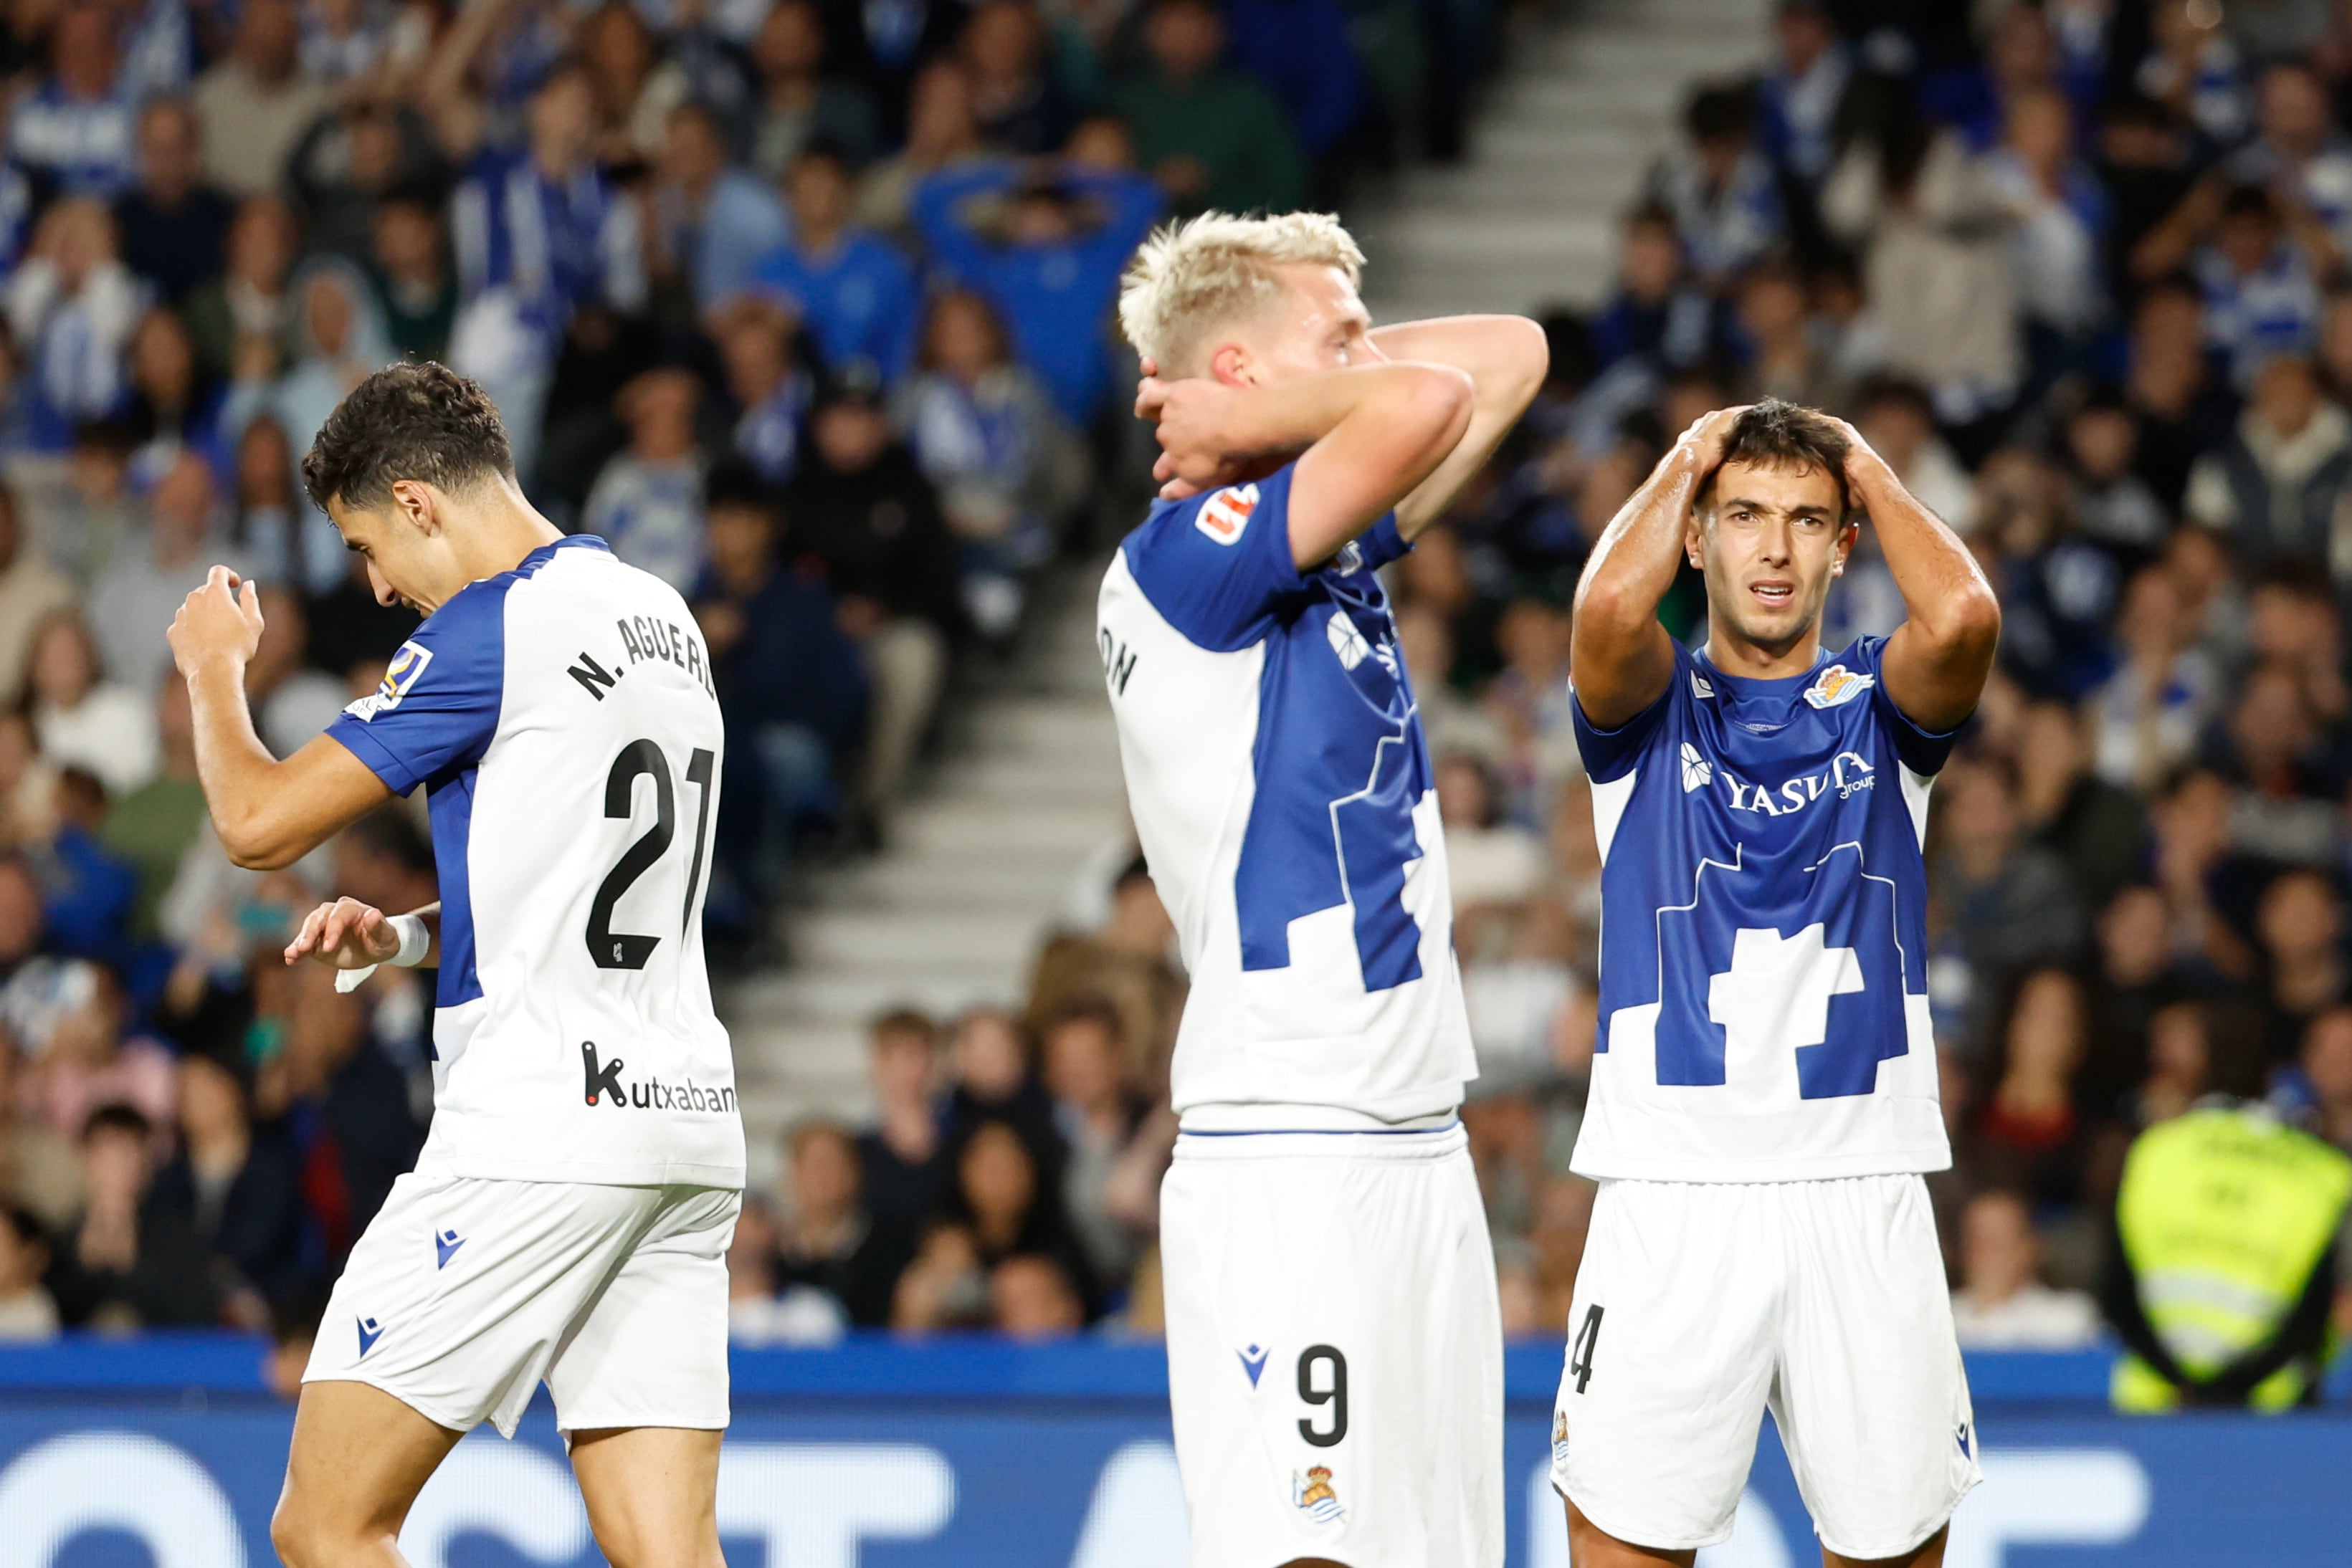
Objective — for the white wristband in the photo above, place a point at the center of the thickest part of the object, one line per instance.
(415, 941)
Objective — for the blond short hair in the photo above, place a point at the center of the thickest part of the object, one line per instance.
(1196, 275)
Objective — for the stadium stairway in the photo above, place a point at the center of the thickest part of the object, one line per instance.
(1028, 798)
(980, 864)
(1559, 150)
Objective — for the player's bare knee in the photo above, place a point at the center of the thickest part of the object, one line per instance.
(303, 1539)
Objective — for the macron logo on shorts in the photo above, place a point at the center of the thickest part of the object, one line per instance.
(446, 1244)
(1252, 1362)
(370, 1332)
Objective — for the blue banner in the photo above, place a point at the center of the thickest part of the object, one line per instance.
(990, 1456)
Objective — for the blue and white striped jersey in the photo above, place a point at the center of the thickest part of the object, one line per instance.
(1283, 793)
(1763, 930)
(562, 721)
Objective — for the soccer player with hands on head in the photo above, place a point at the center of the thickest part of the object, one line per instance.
(1764, 1088)
(1333, 1340)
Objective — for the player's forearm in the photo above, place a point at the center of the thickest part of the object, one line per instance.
(235, 768)
(1286, 419)
(431, 916)
(1641, 550)
(1505, 358)
(1944, 595)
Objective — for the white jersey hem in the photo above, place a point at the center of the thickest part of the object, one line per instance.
(1617, 1166)
(588, 1173)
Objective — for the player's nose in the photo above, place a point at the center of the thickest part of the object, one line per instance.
(380, 588)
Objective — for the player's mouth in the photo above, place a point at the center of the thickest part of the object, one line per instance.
(1773, 592)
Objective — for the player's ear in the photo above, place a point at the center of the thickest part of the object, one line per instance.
(1233, 365)
(1846, 537)
(1693, 537)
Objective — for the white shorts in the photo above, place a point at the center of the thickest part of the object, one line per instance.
(1335, 1350)
(1700, 1303)
(464, 1293)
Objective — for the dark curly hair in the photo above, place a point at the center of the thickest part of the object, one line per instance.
(421, 422)
(1774, 434)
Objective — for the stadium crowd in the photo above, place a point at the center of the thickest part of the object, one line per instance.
(804, 306)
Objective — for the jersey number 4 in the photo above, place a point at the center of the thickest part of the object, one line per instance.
(625, 949)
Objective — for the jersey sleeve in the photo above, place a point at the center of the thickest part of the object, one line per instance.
(1610, 754)
(438, 708)
(1924, 751)
(1217, 567)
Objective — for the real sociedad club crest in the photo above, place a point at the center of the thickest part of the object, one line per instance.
(1837, 685)
(1316, 1499)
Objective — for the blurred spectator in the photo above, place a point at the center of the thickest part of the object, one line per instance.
(982, 430)
(1800, 93)
(999, 1194)
(941, 134)
(87, 893)
(173, 223)
(1031, 1299)
(236, 1190)
(1927, 214)
(648, 499)
(1657, 315)
(790, 685)
(2030, 1118)
(2278, 486)
(827, 1242)
(408, 267)
(2115, 506)
(2150, 716)
(2300, 925)
(901, 1161)
(75, 127)
(801, 103)
(1046, 251)
(1719, 188)
(292, 702)
(153, 828)
(127, 1263)
(2326, 1065)
(767, 384)
(851, 289)
(994, 1079)
(2298, 152)
(1018, 104)
(243, 319)
(1306, 54)
(173, 405)
(147, 577)
(1784, 357)
(2008, 900)
(337, 342)
(2058, 210)
(72, 305)
(714, 221)
(28, 1314)
(1212, 136)
(862, 507)
(257, 102)
(2194, 69)
(1110, 1179)
(2001, 1304)
(82, 718)
(2097, 829)
(1489, 860)
(31, 590)
(1128, 960)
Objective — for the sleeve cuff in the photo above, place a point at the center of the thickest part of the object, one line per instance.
(377, 758)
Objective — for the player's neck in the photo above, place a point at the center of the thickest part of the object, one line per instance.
(1744, 659)
(492, 535)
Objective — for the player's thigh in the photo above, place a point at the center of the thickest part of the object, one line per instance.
(651, 1350)
(1669, 1362)
(456, 1294)
(652, 1494)
(1874, 1402)
(1590, 1546)
(1929, 1554)
(1335, 1360)
(358, 1459)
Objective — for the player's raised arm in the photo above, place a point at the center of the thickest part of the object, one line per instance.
(1936, 662)
(1620, 659)
(1505, 358)
(268, 813)
(1366, 438)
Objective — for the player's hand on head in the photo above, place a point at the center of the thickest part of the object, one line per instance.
(345, 934)
(1710, 433)
(221, 620)
(1191, 417)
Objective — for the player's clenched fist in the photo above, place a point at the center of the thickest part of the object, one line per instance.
(220, 620)
(345, 934)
